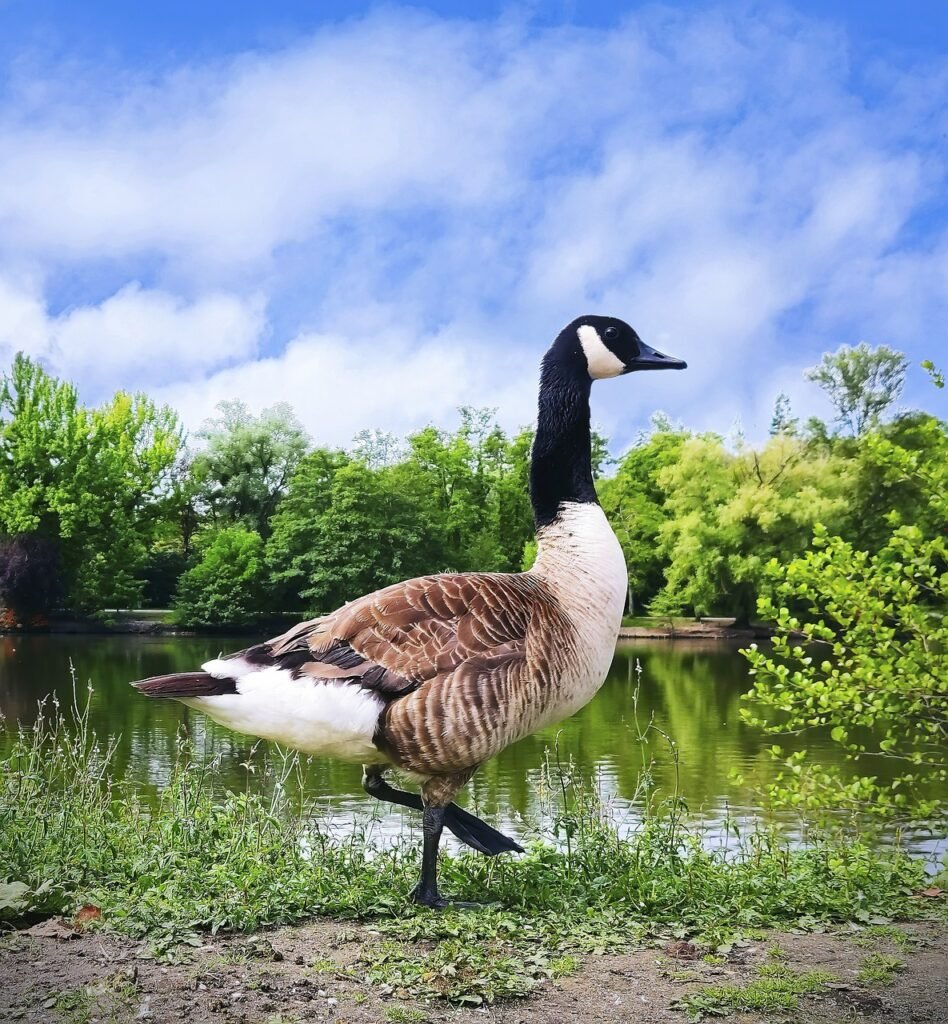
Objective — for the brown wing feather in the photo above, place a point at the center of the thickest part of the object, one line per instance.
(453, 654)
(423, 627)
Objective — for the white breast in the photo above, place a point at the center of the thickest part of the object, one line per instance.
(580, 560)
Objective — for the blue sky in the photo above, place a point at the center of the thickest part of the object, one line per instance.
(378, 213)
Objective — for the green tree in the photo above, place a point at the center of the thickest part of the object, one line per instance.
(94, 481)
(783, 420)
(888, 487)
(135, 445)
(449, 471)
(345, 530)
(244, 471)
(729, 514)
(473, 485)
(296, 527)
(376, 448)
(872, 670)
(227, 586)
(634, 501)
(861, 382)
(511, 494)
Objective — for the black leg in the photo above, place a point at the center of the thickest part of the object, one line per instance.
(468, 828)
(426, 891)
(375, 785)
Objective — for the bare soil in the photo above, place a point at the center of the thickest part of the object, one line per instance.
(316, 973)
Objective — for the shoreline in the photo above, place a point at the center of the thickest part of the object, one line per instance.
(695, 631)
(717, 630)
(144, 624)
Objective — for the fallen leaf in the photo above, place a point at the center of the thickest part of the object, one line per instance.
(90, 912)
(682, 950)
(932, 892)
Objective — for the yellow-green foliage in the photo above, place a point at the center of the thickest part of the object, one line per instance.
(730, 513)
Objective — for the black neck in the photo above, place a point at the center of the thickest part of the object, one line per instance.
(561, 464)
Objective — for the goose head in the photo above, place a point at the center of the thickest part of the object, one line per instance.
(604, 346)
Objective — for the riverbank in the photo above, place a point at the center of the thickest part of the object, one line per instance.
(249, 906)
(246, 906)
(325, 970)
(660, 628)
(138, 622)
(159, 622)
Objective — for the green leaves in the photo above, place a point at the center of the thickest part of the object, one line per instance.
(14, 898)
(876, 624)
(227, 586)
(92, 479)
(452, 501)
(243, 473)
(729, 518)
(861, 382)
(634, 500)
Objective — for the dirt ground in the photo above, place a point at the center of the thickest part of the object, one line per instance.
(316, 973)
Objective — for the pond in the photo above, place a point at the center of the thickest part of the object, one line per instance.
(690, 689)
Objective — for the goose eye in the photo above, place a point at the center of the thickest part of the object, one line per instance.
(611, 333)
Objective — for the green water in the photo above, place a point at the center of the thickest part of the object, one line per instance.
(691, 690)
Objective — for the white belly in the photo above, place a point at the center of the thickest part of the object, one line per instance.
(327, 719)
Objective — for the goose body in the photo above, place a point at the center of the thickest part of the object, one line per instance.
(438, 674)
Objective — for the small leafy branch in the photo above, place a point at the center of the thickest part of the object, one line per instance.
(861, 652)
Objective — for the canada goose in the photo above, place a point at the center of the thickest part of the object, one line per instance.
(436, 675)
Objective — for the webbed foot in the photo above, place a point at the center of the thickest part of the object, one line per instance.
(427, 897)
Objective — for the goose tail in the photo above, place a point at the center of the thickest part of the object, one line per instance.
(185, 684)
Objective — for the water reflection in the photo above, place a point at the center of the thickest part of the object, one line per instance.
(690, 690)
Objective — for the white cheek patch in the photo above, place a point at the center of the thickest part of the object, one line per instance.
(601, 362)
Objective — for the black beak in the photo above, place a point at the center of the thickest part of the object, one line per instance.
(649, 359)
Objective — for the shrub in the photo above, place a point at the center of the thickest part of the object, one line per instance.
(227, 586)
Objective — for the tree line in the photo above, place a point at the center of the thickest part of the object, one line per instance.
(113, 506)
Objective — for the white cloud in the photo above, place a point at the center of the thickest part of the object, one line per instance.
(338, 387)
(137, 337)
(225, 163)
(23, 322)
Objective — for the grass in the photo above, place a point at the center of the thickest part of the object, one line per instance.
(460, 972)
(194, 862)
(879, 969)
(404, 1015)
(776, 989)
(871, 935)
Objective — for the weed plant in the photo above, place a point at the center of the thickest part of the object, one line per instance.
(879, 969)
(73, 833)
(777, 988)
